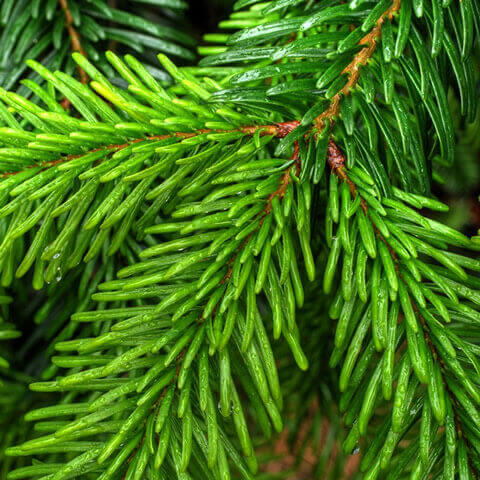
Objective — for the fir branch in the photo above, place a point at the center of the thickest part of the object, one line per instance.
(217, 193)
(336, 160)
(279, 130)
(368, 46)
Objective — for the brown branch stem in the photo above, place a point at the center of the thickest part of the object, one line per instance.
(279, 130)
(74, 38)
(285, 181)
(369, 43)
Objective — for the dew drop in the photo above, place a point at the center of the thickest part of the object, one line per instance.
(56, 255)
(231, 408)
(356, 450)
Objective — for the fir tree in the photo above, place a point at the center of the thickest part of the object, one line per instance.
(202, 245)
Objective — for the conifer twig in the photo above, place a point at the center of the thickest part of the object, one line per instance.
(279, 130)
(369, 43)
(336, 160)
(74, 38)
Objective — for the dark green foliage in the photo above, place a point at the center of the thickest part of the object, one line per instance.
(48, 31)
(7, 330)
(194, 216)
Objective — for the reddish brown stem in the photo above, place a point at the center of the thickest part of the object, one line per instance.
(279, 130)
(369, 43)
(285, 180)
(336, 159)
(74, 38)
(280, 193)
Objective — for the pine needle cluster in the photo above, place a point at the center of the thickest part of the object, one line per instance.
(222, 249)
